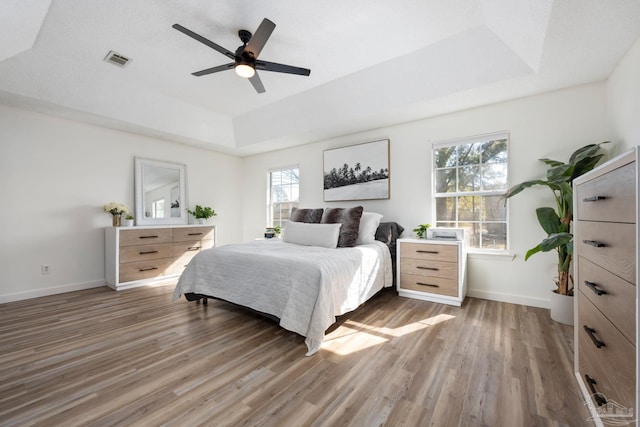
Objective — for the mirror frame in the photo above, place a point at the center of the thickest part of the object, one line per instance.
(140, 164)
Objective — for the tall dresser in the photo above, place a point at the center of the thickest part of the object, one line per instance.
(606, 282)
(135, 256)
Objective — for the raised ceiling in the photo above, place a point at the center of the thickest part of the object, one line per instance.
(373, 63)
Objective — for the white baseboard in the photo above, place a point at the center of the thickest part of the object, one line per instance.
(510, 298)
(50, 291)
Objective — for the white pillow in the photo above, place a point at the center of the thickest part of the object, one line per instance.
(368, 225)
(301, 233)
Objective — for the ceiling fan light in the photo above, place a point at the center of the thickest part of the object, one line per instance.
(245, 70)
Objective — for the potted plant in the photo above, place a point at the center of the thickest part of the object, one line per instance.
(128, 220)
(557, 222)
(421, 229)
(202, 213)
(278, 230)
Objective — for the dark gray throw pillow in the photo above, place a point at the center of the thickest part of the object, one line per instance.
(310, 216)
(350, 220)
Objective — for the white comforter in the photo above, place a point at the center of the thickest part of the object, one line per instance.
(304, 286)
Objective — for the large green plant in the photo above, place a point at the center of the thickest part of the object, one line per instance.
(557, 222)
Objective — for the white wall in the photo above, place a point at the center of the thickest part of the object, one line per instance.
(624, 99)
(57, 174)
(548, 125)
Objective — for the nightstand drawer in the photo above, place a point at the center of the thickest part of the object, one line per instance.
(613, 363)
(612, 296)
(610, 197)
(611, 245)
(434, 285)
(429, 268)
(426, 251)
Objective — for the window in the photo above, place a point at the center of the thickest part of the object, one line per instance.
(157, 208)
(470, 181)
(284, 189)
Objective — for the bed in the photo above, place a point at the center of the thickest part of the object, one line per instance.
(303, 286)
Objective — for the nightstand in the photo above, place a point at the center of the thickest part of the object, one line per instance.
(432, 270)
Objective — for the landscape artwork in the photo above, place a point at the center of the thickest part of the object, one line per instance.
(357, 172)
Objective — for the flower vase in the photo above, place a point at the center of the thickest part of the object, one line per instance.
(115, 220)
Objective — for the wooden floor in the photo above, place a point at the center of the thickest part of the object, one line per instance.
(104, 358)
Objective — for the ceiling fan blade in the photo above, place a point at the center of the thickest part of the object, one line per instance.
(281, 68)
(205, 41)
(260, 37)
(257, 83)
(212, 70)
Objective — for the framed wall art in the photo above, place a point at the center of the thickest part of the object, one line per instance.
(357, 172)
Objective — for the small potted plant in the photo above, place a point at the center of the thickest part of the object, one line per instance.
(202, 213)
(278, 230)
(420, 230)
(128, 220)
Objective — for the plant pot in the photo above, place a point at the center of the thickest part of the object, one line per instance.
(561, 307)
(127, 222)
(201, 220)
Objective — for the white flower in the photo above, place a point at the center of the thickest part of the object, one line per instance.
(115, 208)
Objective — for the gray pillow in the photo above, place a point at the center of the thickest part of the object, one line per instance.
(310, 216)
(350, 220)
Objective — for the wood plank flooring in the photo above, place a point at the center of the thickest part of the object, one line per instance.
(105, 358)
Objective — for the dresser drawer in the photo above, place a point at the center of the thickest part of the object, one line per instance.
(144, 252)
(144, 269)
(433, 252)
(429, 268)
(434, 285)
(610, 245)
(613, 364)
(609, 197)
(145, 236)
(614, 297)
(182, 248)
(186, 234)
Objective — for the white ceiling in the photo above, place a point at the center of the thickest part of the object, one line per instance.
(373, 62)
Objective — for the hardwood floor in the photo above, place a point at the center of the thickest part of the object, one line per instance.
(102, 358)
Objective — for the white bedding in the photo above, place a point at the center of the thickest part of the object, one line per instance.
(304, 286)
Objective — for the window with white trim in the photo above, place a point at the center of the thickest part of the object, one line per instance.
(470, 179)
(284, 191)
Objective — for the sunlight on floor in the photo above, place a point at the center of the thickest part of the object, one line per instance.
(355, 336)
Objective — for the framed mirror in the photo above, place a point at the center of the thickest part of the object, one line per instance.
(161, 196)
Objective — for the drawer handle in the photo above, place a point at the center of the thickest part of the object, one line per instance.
(594, 243)
(148, 237)
(195, 234)
(596, 341)
(422, 251)
(427, 284)
(194, 248)
(595, 288)
(427, 268)
(600, 400)
(148, 269)
(593, 199)
(147, 252)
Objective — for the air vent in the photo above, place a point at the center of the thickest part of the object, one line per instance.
(116, 59)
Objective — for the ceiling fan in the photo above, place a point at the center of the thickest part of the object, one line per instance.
(245, 59)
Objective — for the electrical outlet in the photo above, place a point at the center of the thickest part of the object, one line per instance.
(45, 269)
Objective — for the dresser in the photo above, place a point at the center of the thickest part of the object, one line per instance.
(606, 277)
(135, 256)
(432, 270)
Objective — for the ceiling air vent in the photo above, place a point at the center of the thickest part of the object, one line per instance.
(116, 59)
